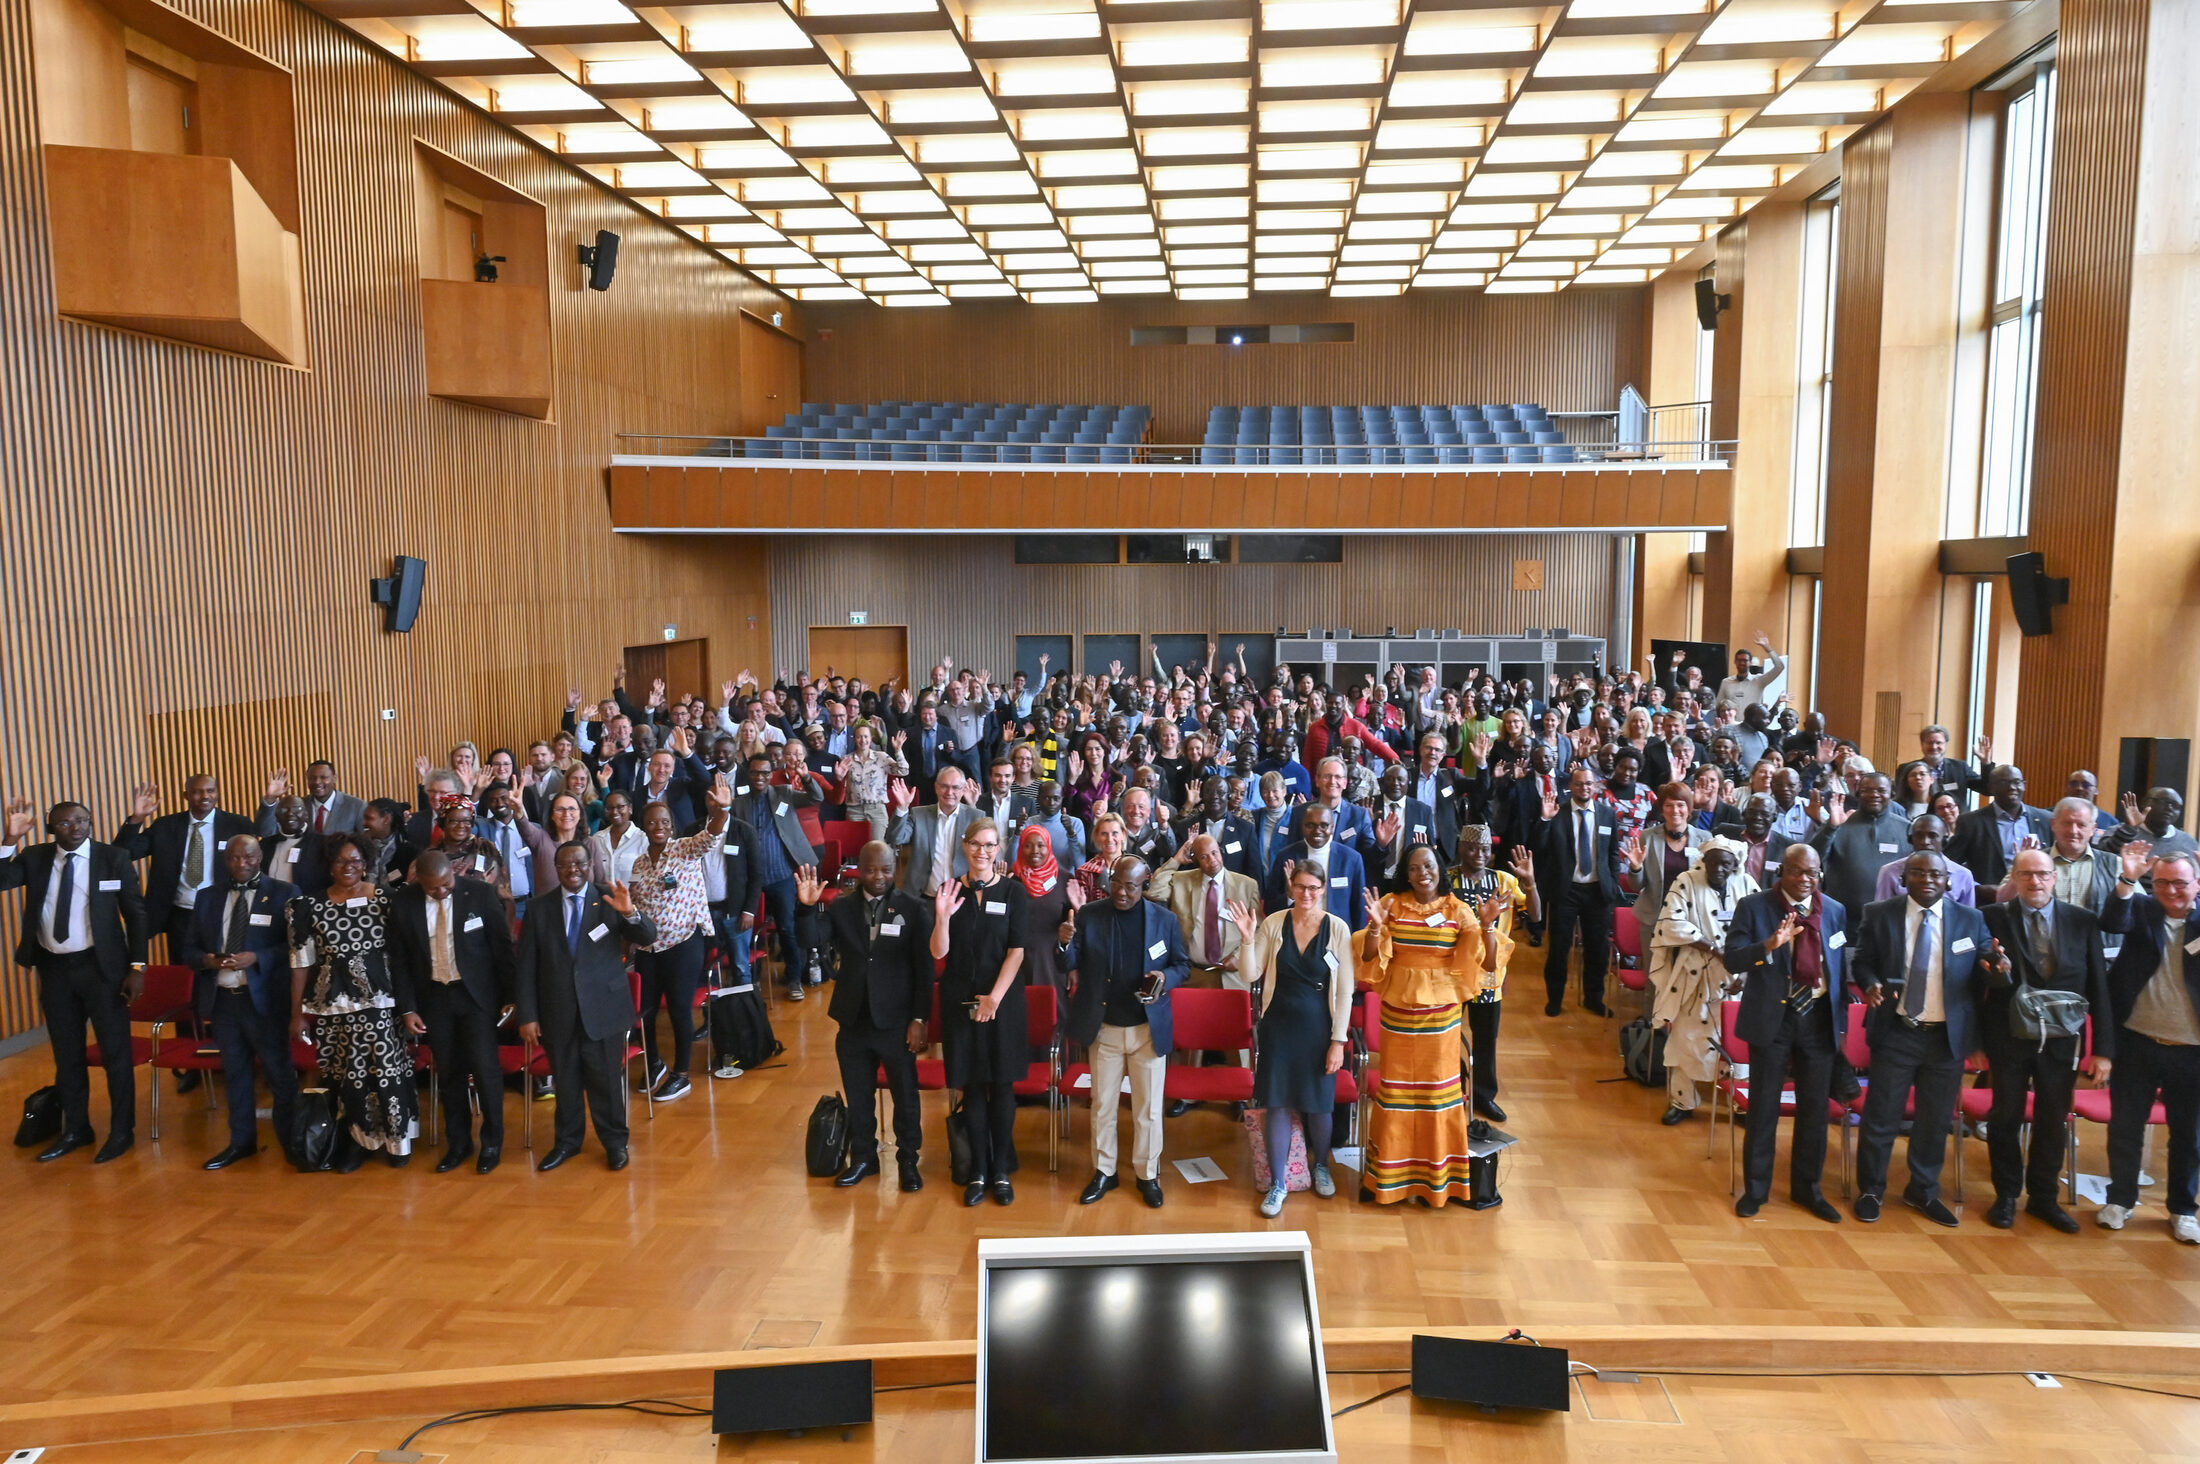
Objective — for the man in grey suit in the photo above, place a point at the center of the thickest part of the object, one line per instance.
(1658, 855)
(930, 838)
(2085, 876)
(329, 810)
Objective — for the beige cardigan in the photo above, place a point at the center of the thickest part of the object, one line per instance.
(1268, 941)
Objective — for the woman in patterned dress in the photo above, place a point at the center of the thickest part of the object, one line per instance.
(1424, 951)
(341, 980)
(1477, 882)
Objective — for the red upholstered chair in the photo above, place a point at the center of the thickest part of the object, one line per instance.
(1631, 968)
(164, 1002)
(1736, 1089)
(1217, 1020)
(1044, 1007)
(851, 834)
(635, 1052)
(2092, 1105)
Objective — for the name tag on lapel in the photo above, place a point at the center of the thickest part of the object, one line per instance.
(996, 907)
(732, 850)
(891, 927)
(1232, 848)
(1890, 848)
(599, 932)
(111, 886)
(354, 904)
(2192, 947)
(1157, 950)
(290, 855)
(1420, 828)
(1837, 940)
(1957, 947)
(1340, 882)
(1444, 792)
(779, 810)
(263, 920)
(473, 922)
(1329, 959)
(742, 789)
(1436, 922)
(1048, 885)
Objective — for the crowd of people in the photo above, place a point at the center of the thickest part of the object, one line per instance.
(1114, 837)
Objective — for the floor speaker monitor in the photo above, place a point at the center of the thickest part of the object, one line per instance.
(1491, 1374)
(790, 1397)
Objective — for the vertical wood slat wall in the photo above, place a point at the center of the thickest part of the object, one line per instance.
(966, 597)
(2079, 421)
(191, 534)
(1569, 352)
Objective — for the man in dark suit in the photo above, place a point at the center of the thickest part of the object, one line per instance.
(451, 941)
(1917, 969)
(778, 847)
(1949, 775)
(329, 810)
(573, 998)
(1855, 847)
(84, 932)
(1002, 803)
(1448, 793)
(881, 1001)
(930, 748)
(678, 780)
(2037, 940)
(185, 849)
(291, 855)
(1350, 824)
(1401, 821)
(2154, 998)
(1789, 944)
(1123, 957)
(1576, 838)
(1342, 872)
(1233, 836)
(1986, 840)
(238, 947)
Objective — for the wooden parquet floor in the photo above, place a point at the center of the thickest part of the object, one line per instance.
(148, 1274)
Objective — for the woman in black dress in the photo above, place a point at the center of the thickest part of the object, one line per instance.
(343, 984)
(1302, 966)
(985, 1030)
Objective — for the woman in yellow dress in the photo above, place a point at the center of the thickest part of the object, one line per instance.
(1475, 880)
(1424, 951)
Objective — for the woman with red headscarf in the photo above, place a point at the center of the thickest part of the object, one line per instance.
(1045, 907)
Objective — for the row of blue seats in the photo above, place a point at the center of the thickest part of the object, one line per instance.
(818, 420)
(1122, 432)
(1383, 454)
(1224, 423)
(994, 450)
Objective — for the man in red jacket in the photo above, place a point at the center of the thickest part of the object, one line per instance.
(1324, 736)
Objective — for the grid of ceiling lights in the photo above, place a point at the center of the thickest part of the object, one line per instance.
(915, 152)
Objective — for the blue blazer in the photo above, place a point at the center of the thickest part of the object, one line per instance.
(1234, 831)
(267, 936)
(1765, 983)
(1087, 1009)
(1345, 899)
(1882, 955)
(1354, 829)
(2138, 919)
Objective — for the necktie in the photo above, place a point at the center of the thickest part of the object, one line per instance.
(194, 856)
(1921, 955)
(240, 922)
(320, 817)
(64, 905)
(573, 924)
(1211, 924)
(1584, 846)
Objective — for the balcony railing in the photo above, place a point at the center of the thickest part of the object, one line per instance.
(1592, 438)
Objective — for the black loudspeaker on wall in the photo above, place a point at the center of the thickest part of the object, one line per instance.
(790, 1397)
(600, 259)
(2033, 596)
(399, 595)
(1709, 302)
(1491, 1374)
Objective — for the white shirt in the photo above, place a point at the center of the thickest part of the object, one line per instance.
(1913, 914)
(190, 881)
(620, 857)
(230, 980)
(282, 861)
(1742, 691)
(943, 850)
(1319, 858)
(80, 902)
(519, 860)
(1574, 814)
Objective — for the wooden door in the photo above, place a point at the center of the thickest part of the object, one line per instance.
(873, 652)
(771, 377)
(683, 666)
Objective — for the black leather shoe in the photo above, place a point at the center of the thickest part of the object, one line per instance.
(1151, 1189)
(116, 1146)
(1676, 1115)
(1488, 1108)
(66, 1144)
(1004, 1193)
(1553, 1008)
(397, 1161)
(1101, 1184)
(1932, 1210)
(558, 1154)
(187, 1081)
(2052, 1215)
(1821, 1207)
(454, 1156)
(349, 1160)
(230, 1156)
(1178, 1107)
(1747, 1206)
(2002, 1214)
(487, 1163)
(911, 1181)
(1866, 1208)
(974, 1193)
(856, 1173)
(615, 1159)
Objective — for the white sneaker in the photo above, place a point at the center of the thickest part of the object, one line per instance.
(1271, 1204)
(2112, 1217)
(2185, 1228)
(1324, 1184)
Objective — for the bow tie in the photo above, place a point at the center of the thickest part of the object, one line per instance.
(246, 884)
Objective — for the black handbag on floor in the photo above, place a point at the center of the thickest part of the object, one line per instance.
(825, 1145)
(1642, 1053)
(313, 1138)
(41, 1119)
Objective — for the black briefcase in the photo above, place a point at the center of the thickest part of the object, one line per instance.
(313, 1134)
(825, 1146)
(41, 1119)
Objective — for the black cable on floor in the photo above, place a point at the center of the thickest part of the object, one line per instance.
(654, 1407)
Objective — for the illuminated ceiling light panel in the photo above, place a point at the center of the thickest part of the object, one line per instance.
(1694, 208)
(1448, 89)
(1301, 218)
(1496, 213)
(913, 229)
(1628, 9)
(1758, 178)
(1198, 180)
(1618, 195)
(1075, 125)
(793, 86)
(972, 148)
(533, 14)
(1308, 158)
(695, 114)
(900, 202)
(1891, 45)
(1439, 280)
(980, 292)
(1461, 33)
(1658, 257)
(1184, 142)
(987, 27)
(1508, 151)
(1813, 98)
(1055, 280)
(1461, 260)
(1593, 56)
(1201, 208)
(1179, 235)
(1302, 190)
(1134, 287)
(1285, 15)
(539, 94)
(1212, 294)
(703, 208)
(1743, 26)
(812, 132)
(1126, 269)
(1354, 288)
(1516, 185)
(926, 109)
(1050, 259)
(1289, 264)
(910, 56)
(635, 70)
(1211, 276)
(1612, 277)
(1557, 249)
(988, 185)
(1418, 174)
(1541, 269)
(1196, 258)
(1663, 234)
(743, 28)
(847, 173)
(1775, 141)
(1559, 109)
(915, 300)
(1638, 165)
(1303, 117)
(1295, 243)
(1428, 137)
(945, 253)
(1100, 195)
(1321, 67)
(1084, 163)
(1089, 225)
(829, 292)
(1718, 79)
(1593, 223)
(1521, 287)
(1006, 215)
(1053, 76)
(1403, 203)
(1380, 253)
(1391, 229)
(1505, 239)
(1120, 248)
(1000, 240)
(757, 192)
(1188, 98)
(1657, 127)
(1182, 45)
(1062, 297)
(1290, 282)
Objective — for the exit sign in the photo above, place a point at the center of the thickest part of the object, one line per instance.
(859, 617)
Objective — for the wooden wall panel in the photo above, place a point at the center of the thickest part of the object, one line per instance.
(966, 597)
(1760, 591)
(190, 533)
(1570, 352)
(1731, 273)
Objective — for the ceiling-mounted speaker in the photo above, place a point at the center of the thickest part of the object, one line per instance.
(399, 595)
(1709, 302)
(2033, 596)
(601, 259)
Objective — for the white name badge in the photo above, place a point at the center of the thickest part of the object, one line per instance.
(1444, 792)
(1890, 848)
(1605, 829)
(1157, 950)
(1957, 946)
(290, 856)
(1420, 828)
(1436, 922)
(779, 810)
(732, 850)
(2192, 947)
(1048, 885)
(353, 904)
(1837, 940)
(1340, 882)
(263, 920)
(473, 922)
(741, 788)
(599, 932)
(996, 907)
(111, 886)
(1329, 959)
(891, 927)
(1232, 848)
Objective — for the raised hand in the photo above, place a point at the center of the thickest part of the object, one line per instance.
(1825, 749)
(1075, 892)
(899, 739)
(1634, 849)
(573, 699)
(1245, 920)
(1076, 766)
(840, 769)
(1550, 805)
(1790, 926)
(1984, 747)
(1374, 911)
(278, 783)
(657, 692)
(1492, 910)
(726, 689)
(1115, 669)
(900, 796)
(1042, 663)
(1387, 828)
(948, 900)
(2134, 857)
(807, 886)
(603, 775)
(947, 663)
(1481, 745)
(1290, 867)
(1523, 865)
(422, 767)
(1764, 641)
(1679, 659)
(721, 792)
(620, 897)
(1837, 805)
(618, 674)
(2127, 808)
(144, 801)
(527, 776)
(20, 818)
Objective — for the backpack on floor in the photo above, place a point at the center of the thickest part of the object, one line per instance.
(825, 1146)
(740, 1028)
(1642, 1053)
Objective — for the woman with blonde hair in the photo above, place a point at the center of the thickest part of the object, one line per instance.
(1301, 963)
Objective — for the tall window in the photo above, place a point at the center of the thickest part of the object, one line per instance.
(1814, 369)
(1982, 651)
(2012, 369)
